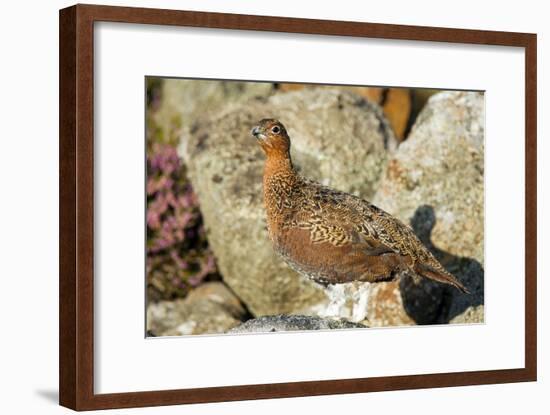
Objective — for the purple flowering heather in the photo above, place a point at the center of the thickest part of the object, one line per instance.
(178, 257)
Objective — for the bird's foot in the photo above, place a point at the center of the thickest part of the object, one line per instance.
(336, 307)
(360, 298)
(349, 301)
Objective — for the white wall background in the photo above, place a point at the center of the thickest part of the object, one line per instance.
(29, 208)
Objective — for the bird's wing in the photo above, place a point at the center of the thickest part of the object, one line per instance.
(366, 243)
(394, 233)
(342, 219)
(401, 238)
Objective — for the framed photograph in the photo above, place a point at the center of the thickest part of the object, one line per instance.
(256, 207)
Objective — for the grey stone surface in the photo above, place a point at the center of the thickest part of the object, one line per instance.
(185, 100)
(292, 323)
(473, 314)
(337, 137)
(210, 308)
(435, 182)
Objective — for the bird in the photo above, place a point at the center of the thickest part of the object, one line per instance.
(330, 236)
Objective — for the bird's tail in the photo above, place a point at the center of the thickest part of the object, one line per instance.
(440, 276)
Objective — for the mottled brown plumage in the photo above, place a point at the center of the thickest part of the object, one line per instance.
(330, 236)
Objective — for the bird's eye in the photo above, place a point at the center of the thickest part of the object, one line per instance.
(276, 130)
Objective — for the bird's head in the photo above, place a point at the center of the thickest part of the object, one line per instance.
(272, 136)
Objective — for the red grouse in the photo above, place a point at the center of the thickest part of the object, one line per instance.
(330, 236)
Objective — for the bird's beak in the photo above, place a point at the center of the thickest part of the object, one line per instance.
(257, 132)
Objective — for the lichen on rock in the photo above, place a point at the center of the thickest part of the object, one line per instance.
(208, 309)
(435, 183)
(185, 100)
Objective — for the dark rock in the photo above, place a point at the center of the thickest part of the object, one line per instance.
(276, 323)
